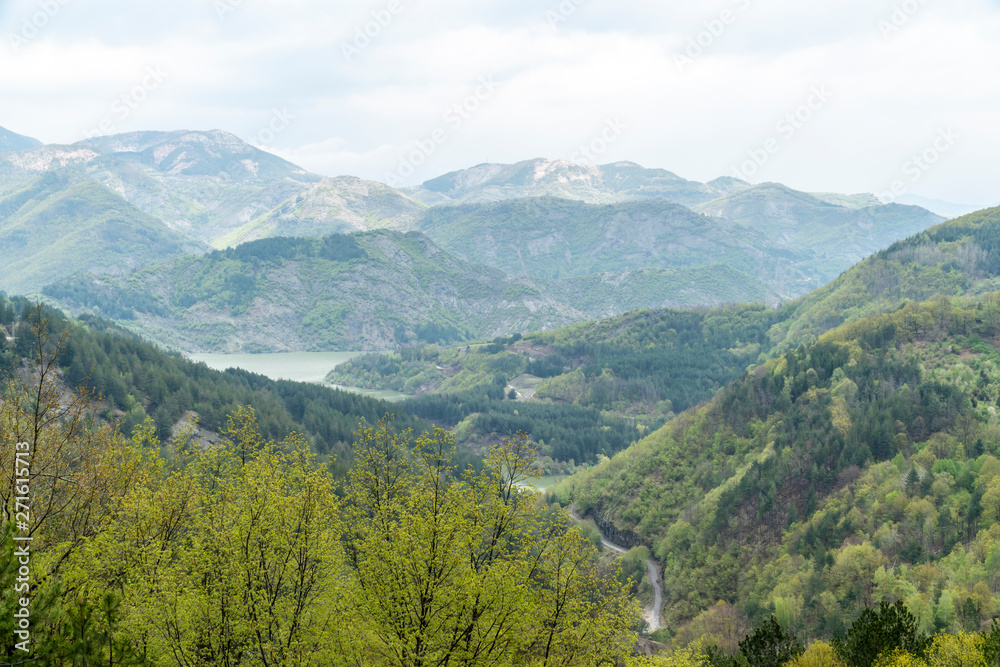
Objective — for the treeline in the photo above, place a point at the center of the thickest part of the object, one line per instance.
(883, 636)
(335, 248)
(137, 380)
(563, 432)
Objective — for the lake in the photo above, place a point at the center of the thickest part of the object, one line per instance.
(298, 366)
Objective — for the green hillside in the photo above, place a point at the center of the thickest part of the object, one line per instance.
(856, 468)
(553, 238)
(790, 241)
(64, 223)
(136, 380)
(823, 234)
(370, 291)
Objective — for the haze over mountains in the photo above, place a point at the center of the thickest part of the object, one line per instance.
(121, 212)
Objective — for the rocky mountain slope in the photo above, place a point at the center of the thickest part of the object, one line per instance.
(603, 184)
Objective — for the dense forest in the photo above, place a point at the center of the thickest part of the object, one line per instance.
(858, 469)
(248, 552)
(601, 385)
(136, 380)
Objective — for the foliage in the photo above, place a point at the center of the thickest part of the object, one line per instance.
(248, 552)
(136, 380)
(817, 654)
(879, 632)
(854, 470)
(769, 645)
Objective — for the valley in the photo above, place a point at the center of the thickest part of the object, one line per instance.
(744, 393)
(499, 334)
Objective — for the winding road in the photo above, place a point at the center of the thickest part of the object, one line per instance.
(654, 611)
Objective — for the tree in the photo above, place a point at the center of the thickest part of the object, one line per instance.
(880, 631)
(770, 645)
(233, 558)
(465, 568)
(63, 478)
(248, 553)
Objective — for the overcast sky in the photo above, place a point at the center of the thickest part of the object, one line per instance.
(703, 89)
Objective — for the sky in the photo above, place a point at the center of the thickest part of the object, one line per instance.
(892, 97)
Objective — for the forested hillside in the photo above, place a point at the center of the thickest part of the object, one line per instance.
(855, 469)
(370, 291)
(636, 369)
(136, 380)
(126, 550)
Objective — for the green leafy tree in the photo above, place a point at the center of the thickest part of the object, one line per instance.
(878, 632)
(770, 646)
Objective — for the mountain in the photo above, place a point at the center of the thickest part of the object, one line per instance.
(945, 208)
(192, 191)
(215, 189)
(824, 238)
(166, 194)
(64, 223)
(333, 206)
(372, 290)
(550, 238)
(11, 141)
(603, 184)
(856, 467)
(791, 241)
(548, 218)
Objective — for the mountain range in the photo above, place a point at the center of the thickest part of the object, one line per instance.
(11, 141)
(587, 241)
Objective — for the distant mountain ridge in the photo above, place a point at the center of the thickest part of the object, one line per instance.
(603, 184)
(11, 141)
(791, 241)
(210, 186)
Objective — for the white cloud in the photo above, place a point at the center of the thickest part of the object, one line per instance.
(558, 85)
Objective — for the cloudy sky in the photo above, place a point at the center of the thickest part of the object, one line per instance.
(848, 96)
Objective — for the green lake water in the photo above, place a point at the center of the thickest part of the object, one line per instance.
(297, 366)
